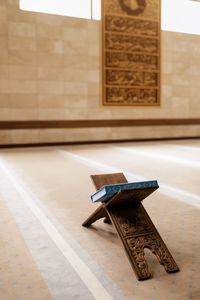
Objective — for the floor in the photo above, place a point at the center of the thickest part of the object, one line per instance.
(45, 196)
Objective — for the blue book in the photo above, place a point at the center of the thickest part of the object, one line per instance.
(140, 190)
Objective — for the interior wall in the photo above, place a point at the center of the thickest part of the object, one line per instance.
(49, 70)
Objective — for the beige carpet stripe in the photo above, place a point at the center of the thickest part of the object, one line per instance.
(158, 155)
(178, 194)
(183, 147)
(15, 261)
(90, 280)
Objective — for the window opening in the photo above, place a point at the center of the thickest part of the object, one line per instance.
(176, 15)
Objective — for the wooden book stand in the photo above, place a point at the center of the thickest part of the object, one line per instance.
(134, 227)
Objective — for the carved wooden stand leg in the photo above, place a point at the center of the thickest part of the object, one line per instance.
(99, 213)
(135, 230)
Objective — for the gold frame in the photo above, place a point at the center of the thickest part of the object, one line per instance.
(104, 68)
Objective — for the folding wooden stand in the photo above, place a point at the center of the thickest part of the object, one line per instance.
(134, 227)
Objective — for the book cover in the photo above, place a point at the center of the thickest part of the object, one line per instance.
(108, 191)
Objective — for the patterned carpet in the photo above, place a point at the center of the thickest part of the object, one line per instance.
(45, 196)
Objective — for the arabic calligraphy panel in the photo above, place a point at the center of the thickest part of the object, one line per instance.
(131, 61)
(131, 25)
(131, 52)
(136, 96)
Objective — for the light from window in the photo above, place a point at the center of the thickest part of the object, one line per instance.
(70, 8)
(176, 15)
(96, 9)
(181, 16)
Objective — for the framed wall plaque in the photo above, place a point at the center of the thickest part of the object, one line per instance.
(131, 52)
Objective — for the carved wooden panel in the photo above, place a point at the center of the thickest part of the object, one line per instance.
(137, 232)
(131, 52)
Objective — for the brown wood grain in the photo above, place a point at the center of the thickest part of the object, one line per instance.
(97, 142)
(134, 227)
(55, 124)
(103, 179)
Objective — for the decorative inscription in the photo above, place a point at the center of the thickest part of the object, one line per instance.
(131, 26)
(131, 43)
(131, 78)
(131, 61)
(131, 52)
(134, 96)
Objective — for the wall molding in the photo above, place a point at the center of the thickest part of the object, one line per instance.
(56, 124)
(96, 142)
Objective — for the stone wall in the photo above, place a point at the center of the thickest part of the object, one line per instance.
(49, 70)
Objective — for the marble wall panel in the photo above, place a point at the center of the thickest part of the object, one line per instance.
(51, 101)
(52, 135)
(4, 101)
(3, 29)
(49, 60)
(48, 31)
(22, 114)
(23, 101)
(49, 19)
(21, 44)
(50, 45)
(4, 72)
(14, 14)
(76, 61)
(24, 136)
(50, 73)
(5, 112)
(22, 86)
(51, 113)
(12, 3)
(21, 29)
(76, 88)
(5, 137)
(22, 72)
(28, 58)
(4, 43)
(4, 86)
(3, 14)
(50, 87)
(76, 75)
